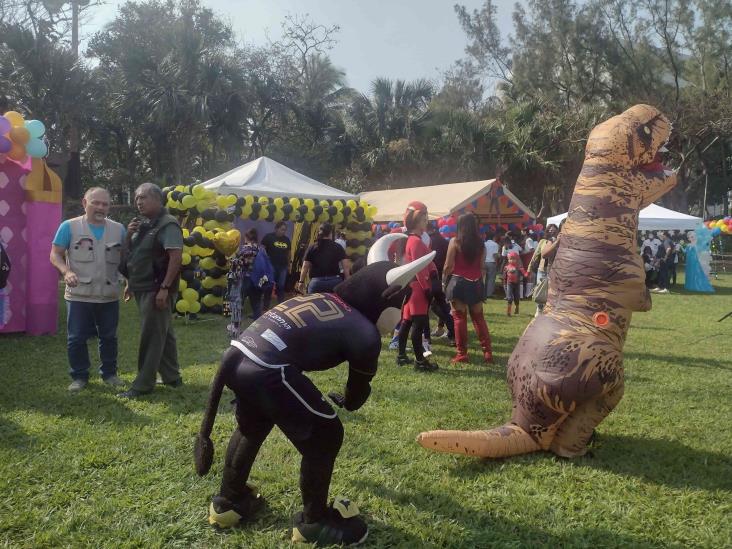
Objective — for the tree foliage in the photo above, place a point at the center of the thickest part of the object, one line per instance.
(165, 92)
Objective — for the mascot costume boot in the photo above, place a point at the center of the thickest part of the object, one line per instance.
(566, 372)
(265, 368)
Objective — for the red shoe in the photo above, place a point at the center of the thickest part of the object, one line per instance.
(460, 358)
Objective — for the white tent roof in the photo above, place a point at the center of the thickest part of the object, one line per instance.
(654, 218)
(265, 177)
(441, 200)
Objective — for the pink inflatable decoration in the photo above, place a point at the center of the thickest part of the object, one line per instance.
(30, 212)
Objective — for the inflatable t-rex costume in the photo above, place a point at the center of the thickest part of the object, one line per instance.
(265, 367)
(566, 372)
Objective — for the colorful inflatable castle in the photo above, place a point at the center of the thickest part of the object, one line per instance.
(30, 212)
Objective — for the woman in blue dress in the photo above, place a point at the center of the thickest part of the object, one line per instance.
(697, 279)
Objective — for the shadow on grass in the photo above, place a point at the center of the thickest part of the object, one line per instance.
(660, 461)
(685, 361)
(483, 528)
(13, 436)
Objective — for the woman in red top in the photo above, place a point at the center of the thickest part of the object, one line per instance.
(463, 269)
(416, 310)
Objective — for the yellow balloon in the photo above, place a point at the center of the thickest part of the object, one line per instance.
(309, 216)
(222, 202)
(195, 307)
(207, 283)
(324, 204)
(278, 202)
(211, 224)
(17, 152)
(186, 233)
(185, 258)
(295, 202)
(199, 229)
(20, 135)
(248, 200)
(246, 211)
(208, 263)
(182, 285)
(15, 118)
(182, 306)
(190, 295)
(322, 218)
(188, 201)
(352, 204)
(263, 200)
(279, 215)
(338, 204)
(309, 202)
(227, 242)
(338, 218)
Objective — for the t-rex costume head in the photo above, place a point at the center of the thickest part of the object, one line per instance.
(566, 372)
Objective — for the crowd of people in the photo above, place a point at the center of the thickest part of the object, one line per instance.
(661, 253)
(89, 250)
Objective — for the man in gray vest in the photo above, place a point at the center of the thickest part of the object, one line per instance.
(86, 251)
(152, 264)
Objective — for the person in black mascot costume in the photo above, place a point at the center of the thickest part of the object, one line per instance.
(265, 368)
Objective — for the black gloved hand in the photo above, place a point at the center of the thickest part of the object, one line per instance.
(337, 398)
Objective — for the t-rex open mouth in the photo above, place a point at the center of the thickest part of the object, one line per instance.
(657, 165)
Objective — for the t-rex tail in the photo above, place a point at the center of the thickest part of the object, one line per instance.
(203, 449)
(504, 441)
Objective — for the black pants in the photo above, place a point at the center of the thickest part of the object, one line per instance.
(417, 324)
(441, 309)
(271, 396)
(663, 276)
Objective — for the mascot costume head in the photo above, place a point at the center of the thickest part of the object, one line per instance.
(566, 372)
(265, 368)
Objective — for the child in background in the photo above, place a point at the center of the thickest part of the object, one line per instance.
(513, 276)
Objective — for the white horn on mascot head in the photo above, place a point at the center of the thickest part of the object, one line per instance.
(380, 250)
(403, 275)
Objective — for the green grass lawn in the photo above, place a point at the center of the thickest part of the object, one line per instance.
(91, 470)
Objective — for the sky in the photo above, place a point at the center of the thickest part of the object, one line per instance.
(405, 39)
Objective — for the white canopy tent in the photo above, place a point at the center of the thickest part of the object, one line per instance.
(653, 218)
(444, 200)
(265, 177)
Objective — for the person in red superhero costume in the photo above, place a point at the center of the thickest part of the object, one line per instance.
(426, 285)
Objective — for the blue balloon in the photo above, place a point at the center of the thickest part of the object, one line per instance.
(716, 231)
(36, 148)
(35, 128)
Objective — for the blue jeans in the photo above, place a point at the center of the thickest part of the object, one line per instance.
(280, 279)
(85, 320)
(322, 284)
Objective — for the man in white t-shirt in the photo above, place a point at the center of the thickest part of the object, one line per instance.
(653, 242)
(492, 251)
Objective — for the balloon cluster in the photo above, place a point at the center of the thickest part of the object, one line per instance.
(204, 267)
(223, 208)
(20, 138)
(719, 226)
(358, 239)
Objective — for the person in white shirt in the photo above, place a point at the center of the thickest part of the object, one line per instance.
(653, 242)
(491, 263)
